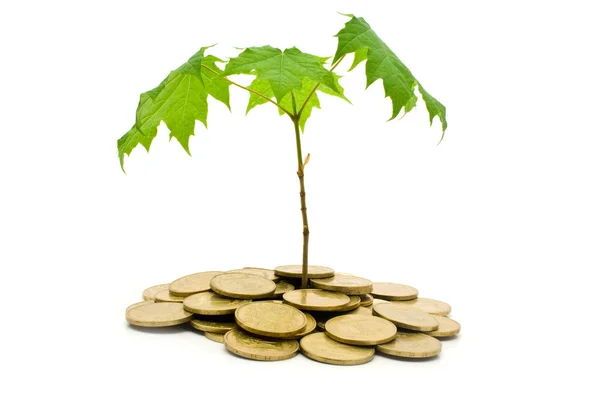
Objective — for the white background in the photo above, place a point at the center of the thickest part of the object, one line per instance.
(500, 220)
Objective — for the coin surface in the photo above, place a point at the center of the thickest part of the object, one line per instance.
(321, 347)
(354, 303)
(166, 296)
(344, 283)
(430, 306)
(215, 337)
(393, 291)
(281, 288)
(213, 325)
(412, 345)
(311, 325)
(265, 273)
(271, 319)
(295, 271)
(406, 316)
(362, 310)
(149, 293)
(366, 300)
(243, 286)
(448, 327)
(248, 346)
(211, 303)
(158, 314)
(194, 283)
(316, 299)
(361, 330)
(141, 303)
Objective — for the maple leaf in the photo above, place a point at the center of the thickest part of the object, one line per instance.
(179, 100)
(398, 82)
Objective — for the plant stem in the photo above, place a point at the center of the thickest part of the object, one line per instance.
(317, 85)
(305, 231)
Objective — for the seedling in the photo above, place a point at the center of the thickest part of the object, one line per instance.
(288, 79)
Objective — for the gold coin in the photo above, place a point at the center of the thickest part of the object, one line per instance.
(158, 314)
(270, 319)
(366, 300)
(354, 303)
(295, 271)
(214, 325)
(361, 330)
(282, 287)
(316, 299)
(149, 293)
(344, 283)
(141, 303)
(215, 337)
(321, 347)
(243, 286)
(430, 306)
(406, 317)
(379, 301)
(167, 297)
(194, 283)
(393, 291)
(362, 310)
(248, 346)
(412, 345)
(311, 325)
(448, 327)
(210, 303)
(265, 273)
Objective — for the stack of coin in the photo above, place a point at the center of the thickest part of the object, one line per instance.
(262, 314)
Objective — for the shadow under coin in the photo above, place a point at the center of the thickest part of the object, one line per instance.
(409, 359)
(167, 330)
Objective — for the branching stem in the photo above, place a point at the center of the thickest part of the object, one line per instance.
(317, 85)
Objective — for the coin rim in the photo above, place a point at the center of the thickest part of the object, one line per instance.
(195, 323)
(404, 354)
(151, 298)
(357, 342)
(419, 328)
(309, 275)
(243, 296)
(213, 311)
(369, 302)
(442, 313)
(176, 293)
(157, 300)
(394, 297)
(255, 356)
(333, 361)
(315, 308)
(158, 324)
(215, 336)
(269, 333)
(441, 333)
(351, 290)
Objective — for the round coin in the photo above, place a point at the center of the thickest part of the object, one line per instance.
(430, 306)
(361, 330)
(321, 347)
(354, 303)
(281, 288)
(412, 345)
(158, 314)
(311, 325)
(316, 299)
(249, 346)
(149, 293)
(295, 271)
(448, 327)
(213, 326)
(366, 300)
(194, 283)
(271, 319)
(406, 317)
(362, 310)
(243, 286)
(265, 273)
(393, 291)
(210, 303)
(344, 283)
(141, 303)
(165, 296)
(215, 337)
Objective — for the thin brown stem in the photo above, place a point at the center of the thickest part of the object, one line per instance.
(317, 85)
(249, 90)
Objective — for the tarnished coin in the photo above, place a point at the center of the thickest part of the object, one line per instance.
(448, 327)
(270, 319)
(243, 286)
(295, 271)
(430, 306)
(366, 300)
(214, 325)
(165, 296)
(412, 345)
(361, 330)
(149, 293)
(393, 291)
(344, 283)
(316, 299)
(141, 303)
(215, 337)
(321, 347)
(265, 273)
(354, 303)
(194, 283)
(311, 325)
(158, 314)
(210, 303)
(281, 288)
(246, 345)
(406, 317)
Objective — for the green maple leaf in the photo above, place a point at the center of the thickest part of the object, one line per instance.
(281, 73)
(179, 100)
(398, 82)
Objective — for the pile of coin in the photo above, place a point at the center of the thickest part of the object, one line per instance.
(262, 314)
